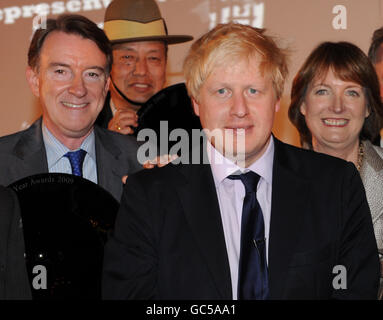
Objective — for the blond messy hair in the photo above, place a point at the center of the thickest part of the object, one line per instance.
(227, 43)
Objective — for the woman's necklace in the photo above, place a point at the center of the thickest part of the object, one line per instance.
(360, 156)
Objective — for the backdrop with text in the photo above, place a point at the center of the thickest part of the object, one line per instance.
(297, 24)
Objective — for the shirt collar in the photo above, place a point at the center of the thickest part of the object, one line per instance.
(222, 167)
(55, 149)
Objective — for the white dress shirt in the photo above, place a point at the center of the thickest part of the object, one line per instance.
(231, 194)
(60, 164)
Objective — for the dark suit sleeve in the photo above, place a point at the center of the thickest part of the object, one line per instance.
(357, 245)
(14, 279)
(130, 261)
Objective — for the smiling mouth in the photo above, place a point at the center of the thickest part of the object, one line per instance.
(335, 122)
(235, 129)
(140, 85)
(74, 106)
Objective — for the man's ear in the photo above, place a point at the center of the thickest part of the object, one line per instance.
(195, 106)
(33, 81)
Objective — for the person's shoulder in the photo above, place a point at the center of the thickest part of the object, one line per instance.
(10, 140)
(379, 150)
(310, 163)
(12, 136)
(308, 155)
(372, 158)
(171, 174)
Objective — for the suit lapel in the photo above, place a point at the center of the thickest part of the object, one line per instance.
(109, 169)
(200, 203)
(31, 150)
(289, 204)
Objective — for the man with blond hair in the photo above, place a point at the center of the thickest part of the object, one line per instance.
(261, 219)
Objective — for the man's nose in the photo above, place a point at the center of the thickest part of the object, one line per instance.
(239, 106)
(141, 67)
(77, 87)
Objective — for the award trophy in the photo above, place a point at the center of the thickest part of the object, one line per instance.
(66, 221)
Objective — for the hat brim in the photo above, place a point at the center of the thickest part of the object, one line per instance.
(169, 39)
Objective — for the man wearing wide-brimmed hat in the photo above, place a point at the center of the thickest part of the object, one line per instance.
(140, 39)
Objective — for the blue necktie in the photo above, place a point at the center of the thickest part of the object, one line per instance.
(252, 271)
(76, 159)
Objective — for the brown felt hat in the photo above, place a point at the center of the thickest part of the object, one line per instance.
(137, 20)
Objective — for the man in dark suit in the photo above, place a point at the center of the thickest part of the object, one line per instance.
(255, 218)
(14, 283)
(69, 63)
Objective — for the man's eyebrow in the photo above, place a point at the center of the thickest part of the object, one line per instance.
(154, 51)
(151, 51)
(97, 68)
(61, 64)
(125, 47)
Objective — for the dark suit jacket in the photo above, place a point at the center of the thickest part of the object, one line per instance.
(168, 241)
(23, 154)
(14, 283)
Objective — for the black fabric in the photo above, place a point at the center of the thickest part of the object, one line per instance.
(14, 282)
